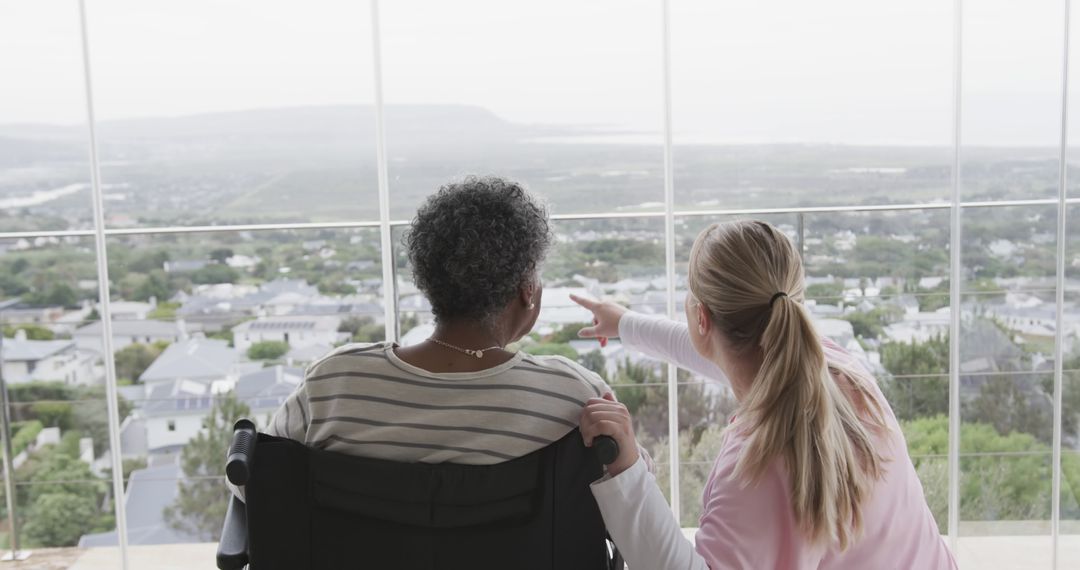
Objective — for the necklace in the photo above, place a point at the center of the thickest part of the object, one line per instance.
(470, 352)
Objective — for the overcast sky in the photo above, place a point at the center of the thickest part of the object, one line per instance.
(838, 71)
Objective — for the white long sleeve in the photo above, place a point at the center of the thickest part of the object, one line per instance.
(641, 524)
(666, 340)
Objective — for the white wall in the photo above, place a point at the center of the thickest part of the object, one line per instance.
(297, 339)
(158, 434)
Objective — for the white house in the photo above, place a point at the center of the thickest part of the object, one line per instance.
(265, 390)
(174, 413)
(130, 310)
(126, 333)
(47, 360)
(204, 360)
(297, 331)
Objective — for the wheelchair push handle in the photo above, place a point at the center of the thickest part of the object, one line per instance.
(607, 449)
(238, 466)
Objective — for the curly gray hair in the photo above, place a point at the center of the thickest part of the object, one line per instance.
(474, 243)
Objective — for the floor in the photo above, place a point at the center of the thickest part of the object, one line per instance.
(976, 553)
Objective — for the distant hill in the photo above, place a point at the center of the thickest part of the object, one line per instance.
(413, 123)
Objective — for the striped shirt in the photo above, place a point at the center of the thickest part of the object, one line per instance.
(362, 399)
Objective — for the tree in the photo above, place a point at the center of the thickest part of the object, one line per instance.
(57, 294)
(12, 286)
(268, 350)
(552, 349)
(90, 415)
(156, 284)
(1012, 403)
(221, 255)
(697, 458)
(60, 518)
(134, 359)
(595, 361)
(164, 311)
(1005, 477)
(33, 332)
(825, 291)
(917, 385)
(199, 509)
(215, 273)
(567, 333)
(362, 329)
(53, 414)
(63, 499)
(870, 324)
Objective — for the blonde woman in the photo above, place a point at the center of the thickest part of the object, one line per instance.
(813, 471)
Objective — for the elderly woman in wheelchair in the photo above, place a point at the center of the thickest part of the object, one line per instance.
(455, 452)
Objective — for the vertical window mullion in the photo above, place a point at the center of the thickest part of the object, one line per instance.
(101, 256)
(390, 313)
(1059, 356)
(955, 299)
(669, 261)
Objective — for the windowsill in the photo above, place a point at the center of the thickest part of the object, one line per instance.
(1016, 552)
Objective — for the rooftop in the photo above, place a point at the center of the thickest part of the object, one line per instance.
(290, 323)
(195, 358)
(22, 350)
(145, 328)
(149, 492)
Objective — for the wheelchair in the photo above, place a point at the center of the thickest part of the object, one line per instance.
(311, 509)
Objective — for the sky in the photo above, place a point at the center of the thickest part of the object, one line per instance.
(829, 71)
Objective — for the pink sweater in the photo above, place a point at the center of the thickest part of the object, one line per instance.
(754, 526)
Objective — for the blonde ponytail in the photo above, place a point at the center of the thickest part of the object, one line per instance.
(750, 278)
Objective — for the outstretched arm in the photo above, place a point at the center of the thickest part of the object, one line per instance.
(658, 337)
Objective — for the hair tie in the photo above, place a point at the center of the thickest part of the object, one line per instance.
(775, 297)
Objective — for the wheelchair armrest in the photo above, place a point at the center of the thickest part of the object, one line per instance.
(241, 452)
(232, 550)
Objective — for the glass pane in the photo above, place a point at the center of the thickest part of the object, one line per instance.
(705, 409)
(1011, 99)
(56, 387)
(1069, 539)
(569, 105)
(44, 160)
(199, 127)
(1008, 324)
(767, 111)
(209, 327)
(621, 259)
(705, 405)
(876, 284)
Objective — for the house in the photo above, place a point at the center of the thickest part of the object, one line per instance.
(306, 355)
(46, 360)
(174, 412)
(417, 334)
(126, 333)
(185, 265)
(204, 360)
(130, 310)
(919, 326)
(297, 331)
(264, 391)
(21, 314)
(149, 492)
(70, 321)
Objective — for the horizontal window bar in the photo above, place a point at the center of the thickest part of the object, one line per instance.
(555, 217)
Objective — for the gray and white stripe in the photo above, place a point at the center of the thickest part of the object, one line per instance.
(361, 399)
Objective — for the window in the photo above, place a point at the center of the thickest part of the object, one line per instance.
(241, 165)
